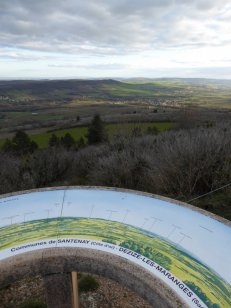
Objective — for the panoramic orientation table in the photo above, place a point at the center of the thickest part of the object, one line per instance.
(187, 249)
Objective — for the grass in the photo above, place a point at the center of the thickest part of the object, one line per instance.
(21, 94)
(138, 90)
(180, 90)
(180, 263)
(15, 116)
(42, 139)
(75, 103)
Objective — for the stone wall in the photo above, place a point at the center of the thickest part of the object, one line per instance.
(66, 260)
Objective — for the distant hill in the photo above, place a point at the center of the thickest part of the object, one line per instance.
(198, 81)
(55, 89)
(172, 91)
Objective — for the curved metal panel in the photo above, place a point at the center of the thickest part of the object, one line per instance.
(186, 249)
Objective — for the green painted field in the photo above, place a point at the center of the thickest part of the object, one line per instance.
(214, 291)
(78, 132)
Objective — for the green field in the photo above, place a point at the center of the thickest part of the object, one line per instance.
(215, 93)
(207, 94)
(78, 132)
(215, 291)
(30, 116)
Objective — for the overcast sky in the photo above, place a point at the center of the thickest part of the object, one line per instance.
(115, 38)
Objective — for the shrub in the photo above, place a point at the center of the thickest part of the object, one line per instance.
(33, 304)
(87, 283)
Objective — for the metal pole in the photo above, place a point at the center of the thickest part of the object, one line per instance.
(75, 292)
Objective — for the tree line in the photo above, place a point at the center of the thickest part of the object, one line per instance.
(181, 163)
(21, 144)
(197, 290)
(148, 252)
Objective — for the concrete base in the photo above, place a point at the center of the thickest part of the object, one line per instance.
(67, 260)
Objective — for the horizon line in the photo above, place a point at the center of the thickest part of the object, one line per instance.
(106, 78)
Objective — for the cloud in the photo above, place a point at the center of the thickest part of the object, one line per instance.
(112, 27)
(101, 66)
(115, 37)
(11, 55)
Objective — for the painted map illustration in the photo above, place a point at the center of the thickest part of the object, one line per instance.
(189, 251)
